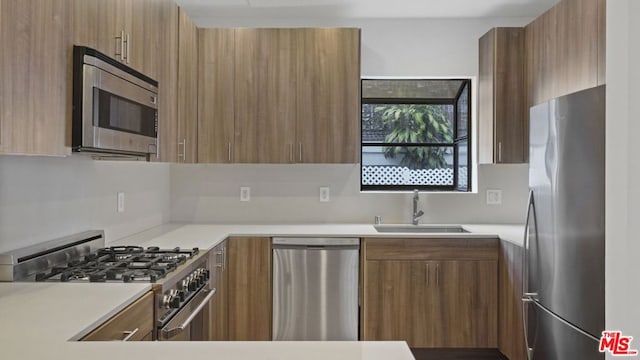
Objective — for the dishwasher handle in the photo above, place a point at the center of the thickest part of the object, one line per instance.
(315, 242)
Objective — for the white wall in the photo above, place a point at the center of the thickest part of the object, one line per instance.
(289, 194)
(623, 169)
(43, 198)
(390, 47)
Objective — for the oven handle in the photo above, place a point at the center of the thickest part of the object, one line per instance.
(170, 332)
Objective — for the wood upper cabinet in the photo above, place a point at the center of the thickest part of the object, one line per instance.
(219, 315)
(265, 102)
(278, 95)
(249, 289)
(135, 322)
(187, 90)
(216, 95)
(328, 95)
(168, 81)
(424, 293)
(126, 30)
(35, 68)
(501, 97)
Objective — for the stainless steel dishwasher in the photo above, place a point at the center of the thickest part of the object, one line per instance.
(315, 288)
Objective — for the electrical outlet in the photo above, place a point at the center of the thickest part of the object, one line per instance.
(324, 194)
(494, 197)
(120, 202)
(245, 193)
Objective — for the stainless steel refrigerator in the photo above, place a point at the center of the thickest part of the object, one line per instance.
(563, 300)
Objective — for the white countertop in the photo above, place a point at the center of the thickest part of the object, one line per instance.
(42, 320)
(206, 236)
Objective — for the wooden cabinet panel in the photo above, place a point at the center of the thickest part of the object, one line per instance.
(431, 249)
(187, 90)
(218, 310)
(510, 334)
(501, 96)
(168, 89)
(265, 107)
(35, 68)
(216, 95)
(441, 304)
(249, 286)
(138, 315)
(328, 95)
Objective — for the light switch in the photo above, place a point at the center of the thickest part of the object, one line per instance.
(324, 194)
(245, 193)
(494, 197)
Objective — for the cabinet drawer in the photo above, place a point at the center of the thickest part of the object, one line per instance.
(431, 249)
(138, 315)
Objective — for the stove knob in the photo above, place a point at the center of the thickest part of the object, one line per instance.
(175, 302)
(166, 300)
(193, 285)
(182, 295)
(206, 274)
(184, 284)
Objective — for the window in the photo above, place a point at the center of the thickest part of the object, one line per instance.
(416, 134)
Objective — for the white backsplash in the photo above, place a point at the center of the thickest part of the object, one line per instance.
(42, 198)
(290, 194)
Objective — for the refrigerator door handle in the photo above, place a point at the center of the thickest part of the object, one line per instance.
(525, 301)
(527, 297)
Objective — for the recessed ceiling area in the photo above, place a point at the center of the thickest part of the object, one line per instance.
(365, 8)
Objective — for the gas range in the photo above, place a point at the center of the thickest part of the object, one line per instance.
(120, 263)
(180, 278)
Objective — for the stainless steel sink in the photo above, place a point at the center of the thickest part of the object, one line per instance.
(401, 228)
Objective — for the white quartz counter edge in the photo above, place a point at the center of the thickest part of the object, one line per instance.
(206, 236)
(40, 319)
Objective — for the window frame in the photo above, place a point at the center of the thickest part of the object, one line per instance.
(466, 83)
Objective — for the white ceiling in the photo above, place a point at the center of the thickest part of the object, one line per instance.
(365, 8)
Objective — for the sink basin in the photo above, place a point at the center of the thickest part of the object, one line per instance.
(419, 228)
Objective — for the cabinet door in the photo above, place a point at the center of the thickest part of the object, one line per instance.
(249, 300)
(145, 31)
(328, 95)
(501, 96)
(216, 96)
(466, 304)
(114, 17)
(265, 101)
(168, 89)
(218, 310)
(187, 89)
(85, 23)
(35, 68)
(138, 315)
(397, 302)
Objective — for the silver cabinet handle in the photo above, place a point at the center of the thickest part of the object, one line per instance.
(229, 152)
(183, 143)
(128, 48)
(500, 151)
(224, 258)
(300, 152)
(290, 152)
(121, 53)
(437, 274)
(427, 275)
(168, 333)
(129, 334)
(218, 263)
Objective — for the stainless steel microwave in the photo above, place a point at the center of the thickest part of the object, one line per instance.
(115, 108)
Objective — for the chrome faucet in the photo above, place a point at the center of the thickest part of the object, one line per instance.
(417, 214)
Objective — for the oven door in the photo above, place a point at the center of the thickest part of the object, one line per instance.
(191, 322)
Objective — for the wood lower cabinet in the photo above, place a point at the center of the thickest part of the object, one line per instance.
(431, 298)
(511, 333)
(218, 311)
(135, 322)
(35, 68)
(249, 289)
